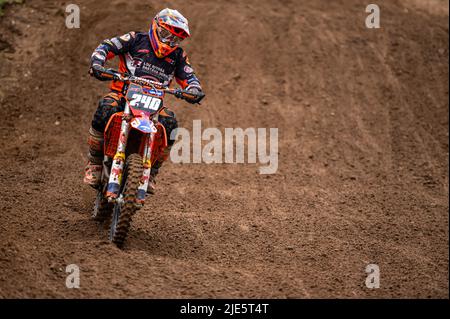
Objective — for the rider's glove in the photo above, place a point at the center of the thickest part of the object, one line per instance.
(98, 74)
(195, 91)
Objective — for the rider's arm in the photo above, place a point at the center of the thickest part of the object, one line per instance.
(185, 75)
(108, 49)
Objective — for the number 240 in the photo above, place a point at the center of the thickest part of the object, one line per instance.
(145, 101)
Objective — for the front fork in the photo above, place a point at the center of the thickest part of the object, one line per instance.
(143, 184)
(115, 177)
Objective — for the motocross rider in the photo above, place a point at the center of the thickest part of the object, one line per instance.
(156, 56)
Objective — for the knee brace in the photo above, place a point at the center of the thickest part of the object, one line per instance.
(110, 104)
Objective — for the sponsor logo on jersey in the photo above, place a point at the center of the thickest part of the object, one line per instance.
(137, 62)
(169, 60)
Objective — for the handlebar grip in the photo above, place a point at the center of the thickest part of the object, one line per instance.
(106, 73)
(196, 97)
(188, 95)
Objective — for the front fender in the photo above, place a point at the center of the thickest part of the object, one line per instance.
(143, 125)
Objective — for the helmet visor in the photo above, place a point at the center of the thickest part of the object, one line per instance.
(167, 37)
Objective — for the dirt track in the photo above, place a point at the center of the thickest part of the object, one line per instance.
(363, 176)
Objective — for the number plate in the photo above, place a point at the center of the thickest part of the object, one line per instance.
(149, 100)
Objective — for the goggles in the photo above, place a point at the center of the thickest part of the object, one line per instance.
(167, 37)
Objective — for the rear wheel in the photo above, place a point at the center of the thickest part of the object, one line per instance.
(125, 206)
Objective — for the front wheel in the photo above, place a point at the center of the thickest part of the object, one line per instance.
(125, 205)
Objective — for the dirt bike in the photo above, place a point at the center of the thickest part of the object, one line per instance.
(132, 141)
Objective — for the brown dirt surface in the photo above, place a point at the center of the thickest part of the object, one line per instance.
(363, 154)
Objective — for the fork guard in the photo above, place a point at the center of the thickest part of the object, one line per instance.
(155, 143)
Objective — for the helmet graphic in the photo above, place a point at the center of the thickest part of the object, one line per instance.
(167, 30)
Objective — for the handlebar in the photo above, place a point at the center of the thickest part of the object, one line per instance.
(125, 77)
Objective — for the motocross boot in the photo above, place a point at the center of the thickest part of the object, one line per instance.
(155, 170)
(93, 170)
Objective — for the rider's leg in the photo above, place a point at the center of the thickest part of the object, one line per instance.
(168, 120)
(93, 169)
(109, 105)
